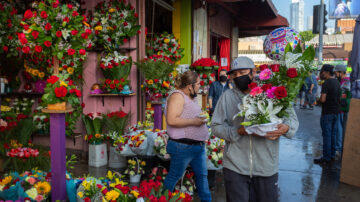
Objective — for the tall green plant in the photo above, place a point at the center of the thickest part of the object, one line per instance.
(156, 67)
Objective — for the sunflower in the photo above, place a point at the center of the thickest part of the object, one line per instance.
(112, 195)
(70, 70)
(98, 28)
(43, 187)
(41, 74)
(35, 72)
(6, 180)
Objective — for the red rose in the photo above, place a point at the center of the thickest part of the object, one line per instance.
(204, 76)
(291, 72)
(5, 48)
(109, 39)
(26, 49)
(125, 24)
(74, 32)
(112, 86)
(266, 87)
(71, 51)
(66, 19)
(52, 79)
(219, 162)
(252, 85)
(60, 91)
(136, 15)
(28, 14)
(10, 37)
(35, 34)
(48, 26)
(125, 40)
(82, 52)
(70, 6)
(263, 67)
(83, 105)
(43, 14)
(75, 13)
(84, 36)
(202, 83)
(55, 5)
(23, 41)
(280, 92)
(78, 93)
(88, 31)
(107, 81)
(38, 49)
(58, 33)
(275, 67)
(122, 63)
(47, 43)
(26, 27)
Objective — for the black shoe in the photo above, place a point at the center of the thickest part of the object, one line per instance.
(321, 161)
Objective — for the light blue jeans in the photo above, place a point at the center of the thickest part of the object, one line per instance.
(181, 156)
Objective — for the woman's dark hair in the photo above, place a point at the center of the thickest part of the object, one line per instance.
(328, 68)
(186, 78)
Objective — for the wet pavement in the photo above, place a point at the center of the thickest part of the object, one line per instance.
(299, 178)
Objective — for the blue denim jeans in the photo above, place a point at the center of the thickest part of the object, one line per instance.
(339, 134)
(181, 156)
(329, 127)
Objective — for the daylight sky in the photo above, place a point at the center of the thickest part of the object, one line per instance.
(283, 7)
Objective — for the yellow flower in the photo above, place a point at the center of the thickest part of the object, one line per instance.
(41, 74)
(60, 68)
(143, 163)
(86, 24)
(166, 40)
(6, 180)
(135, 193)
(80, 194)
(85, 138)
(159, 53)
(70, 70)
(97, 135)
(5, 108)
(98, 28)
(165, 84)
(35, 72)
(150, 82)
(182, 195)
(109, 28)
(43, 187)
(111, 10)
(142, 86)
(132, 173)
(62, 83)
(112, 195)
(110, 175)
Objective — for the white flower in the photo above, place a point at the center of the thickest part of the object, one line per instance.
(292, 60)
(269, 110)
(104, 20)
(65, 33)
(214, 157)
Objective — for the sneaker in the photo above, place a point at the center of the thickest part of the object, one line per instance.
(321, 161)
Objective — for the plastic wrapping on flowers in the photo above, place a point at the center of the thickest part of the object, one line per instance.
(186, 183)
(160, 143)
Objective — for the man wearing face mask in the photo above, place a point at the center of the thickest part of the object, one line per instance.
(217, 88)
(250, 161)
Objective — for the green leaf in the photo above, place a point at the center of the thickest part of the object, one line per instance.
(59, 55)
(298, 49)
(288, 48)
(309, 53)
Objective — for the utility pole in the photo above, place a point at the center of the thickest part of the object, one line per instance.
(321, 31)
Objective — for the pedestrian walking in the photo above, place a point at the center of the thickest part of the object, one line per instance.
(217, 88)
(187, 132)
(310, 88)
(330, 99)
(250, 161)
(345, 86)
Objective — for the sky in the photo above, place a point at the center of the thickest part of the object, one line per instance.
(283, 7)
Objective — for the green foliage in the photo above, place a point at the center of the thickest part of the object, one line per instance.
(155, 69)
(306, 36)
(71, 161)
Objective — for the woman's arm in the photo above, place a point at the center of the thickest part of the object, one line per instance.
(175, 108)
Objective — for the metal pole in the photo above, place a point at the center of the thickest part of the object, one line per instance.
(321, 31)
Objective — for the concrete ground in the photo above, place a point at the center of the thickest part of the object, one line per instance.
(299, 178)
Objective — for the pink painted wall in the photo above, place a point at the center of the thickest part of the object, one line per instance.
(92, 74)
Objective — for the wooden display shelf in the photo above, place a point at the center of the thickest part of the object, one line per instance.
(112, 95)
(21, 94)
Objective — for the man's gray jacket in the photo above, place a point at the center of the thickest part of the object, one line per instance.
(246, 154)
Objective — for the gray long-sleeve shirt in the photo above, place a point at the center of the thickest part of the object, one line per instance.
(246, 154)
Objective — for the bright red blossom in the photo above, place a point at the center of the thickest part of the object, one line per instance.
(71, 51)
(52, 79)
(60, 91)
(47, 43)
(291, 73)
(280, 92)
(48, 26)
(43, 14)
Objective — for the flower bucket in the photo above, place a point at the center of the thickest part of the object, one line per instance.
(135, 179)
(97, 155)
(199, 68)
(115, 159)
(58, 106)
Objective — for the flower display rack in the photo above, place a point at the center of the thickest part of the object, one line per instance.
(113, 95)
(21, 94)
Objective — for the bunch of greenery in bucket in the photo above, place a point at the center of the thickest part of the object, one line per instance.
(60, 92)
(93, 124)
(135, 167)
(114, 22)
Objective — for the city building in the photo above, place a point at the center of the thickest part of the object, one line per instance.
(310, 20)
(297, 15)
(345, 25)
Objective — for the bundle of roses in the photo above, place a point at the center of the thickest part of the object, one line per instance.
(93, 124)
(114, 22)
(9, 26)
(135, 167)
(115, 66)
(187, 183)
(205, 64)
(54, 29)
(166, 45)
(114, 86)
(214, 150)
(160, 143)
(60, 89)
(36, 187)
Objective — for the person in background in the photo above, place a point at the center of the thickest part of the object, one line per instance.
(301, 96)
(340, 73)
(217, 88)
(187, 134)
(330, 99)
(310, 91)
(250, 161)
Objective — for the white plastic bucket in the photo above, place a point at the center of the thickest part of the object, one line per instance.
(134, 179)
(115, 159)
(97, 155)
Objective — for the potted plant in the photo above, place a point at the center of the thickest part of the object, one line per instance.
(97, 148)
(115, 123)
(60, 92)
(135, 170)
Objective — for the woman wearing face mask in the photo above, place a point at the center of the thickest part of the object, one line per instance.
(250, 161)
(187, 132)
(217, 88)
